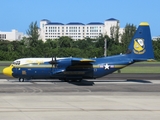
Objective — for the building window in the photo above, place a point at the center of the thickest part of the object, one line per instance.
(2, 36)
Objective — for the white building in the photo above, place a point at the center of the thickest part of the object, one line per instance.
(11, 36)
(76, 30)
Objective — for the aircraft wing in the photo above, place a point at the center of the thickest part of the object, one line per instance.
(74, 68)
(80, 63)
(79, 67)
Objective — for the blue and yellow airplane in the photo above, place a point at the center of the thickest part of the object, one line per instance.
(71, 68)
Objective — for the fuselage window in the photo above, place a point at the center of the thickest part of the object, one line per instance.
(16, 63)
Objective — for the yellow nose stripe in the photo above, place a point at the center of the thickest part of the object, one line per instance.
(8, 71)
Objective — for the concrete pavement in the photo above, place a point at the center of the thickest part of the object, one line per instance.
(104, 100)
(79, 107)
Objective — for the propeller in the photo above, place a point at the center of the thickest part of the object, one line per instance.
(53, 62)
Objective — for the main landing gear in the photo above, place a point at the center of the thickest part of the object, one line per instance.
(72, 80)
(21, 79)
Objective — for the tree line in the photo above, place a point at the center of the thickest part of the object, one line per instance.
(66, 47)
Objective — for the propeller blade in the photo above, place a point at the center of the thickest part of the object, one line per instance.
(54, 62)
(55, 65)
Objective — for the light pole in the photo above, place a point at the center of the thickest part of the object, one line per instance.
(105, 47)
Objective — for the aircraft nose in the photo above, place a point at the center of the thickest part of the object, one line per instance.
(8, 71)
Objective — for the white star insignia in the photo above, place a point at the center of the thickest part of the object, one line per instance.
(106, 66)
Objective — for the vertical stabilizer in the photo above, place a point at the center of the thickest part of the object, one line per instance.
(140, 47)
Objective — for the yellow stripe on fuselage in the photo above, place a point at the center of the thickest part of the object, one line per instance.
(76, 66)
(119, 66)
(33, 66)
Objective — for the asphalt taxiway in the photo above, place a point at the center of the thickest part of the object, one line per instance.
(120, 98)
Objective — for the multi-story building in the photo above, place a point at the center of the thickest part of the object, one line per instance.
(11, 36)
(76, 30)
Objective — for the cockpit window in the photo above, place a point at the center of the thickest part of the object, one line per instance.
(16, 63)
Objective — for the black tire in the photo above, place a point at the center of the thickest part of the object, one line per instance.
(21, 79)
(79, 80)
(66, 80)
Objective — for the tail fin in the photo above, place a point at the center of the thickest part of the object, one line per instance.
(141, 45)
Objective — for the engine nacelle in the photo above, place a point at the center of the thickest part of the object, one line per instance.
(64, 63)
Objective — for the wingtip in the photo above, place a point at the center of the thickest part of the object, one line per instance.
(144, 24)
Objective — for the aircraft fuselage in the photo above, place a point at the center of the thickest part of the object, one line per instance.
(64, 70)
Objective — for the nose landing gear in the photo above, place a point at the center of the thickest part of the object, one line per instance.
(21, 79)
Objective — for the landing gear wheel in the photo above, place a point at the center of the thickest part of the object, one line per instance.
(74, 80)
(21, 79)
(66, 80)
(79, 80)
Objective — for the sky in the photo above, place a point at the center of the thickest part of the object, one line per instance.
(18, 14)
